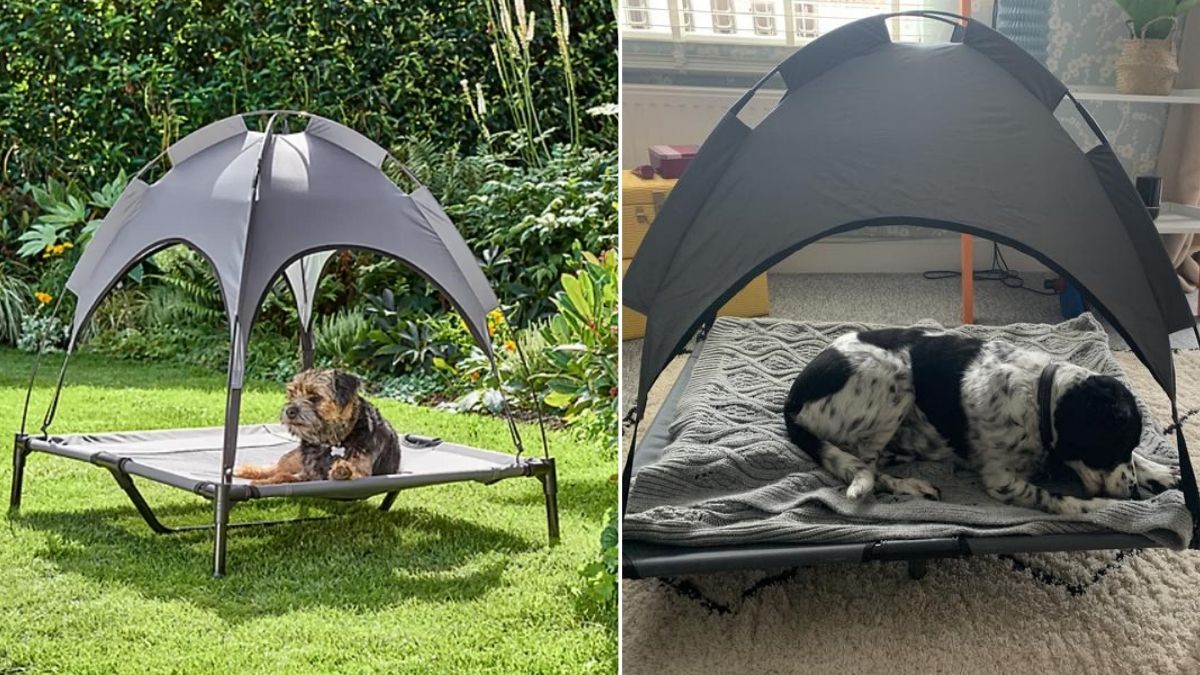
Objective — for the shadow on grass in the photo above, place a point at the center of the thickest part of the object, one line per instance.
(364, 559)
(589, 498)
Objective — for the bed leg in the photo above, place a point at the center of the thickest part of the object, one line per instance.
(220, 528)
(549, 479)
(917, 568)
(388, 500)
(20, 452)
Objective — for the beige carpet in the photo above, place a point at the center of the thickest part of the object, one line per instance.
(1108, 612)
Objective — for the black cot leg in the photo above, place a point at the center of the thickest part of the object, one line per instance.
(388, 500)
(20, 452)
(549, 479)
(220, 528)
(917, 568)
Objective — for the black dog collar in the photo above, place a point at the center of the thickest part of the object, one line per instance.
(1045, 389)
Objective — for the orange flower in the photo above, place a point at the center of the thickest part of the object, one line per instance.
(475, 376)
(43, 297)
(510, 345)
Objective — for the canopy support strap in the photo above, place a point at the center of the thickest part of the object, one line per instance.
(1187, 477)
(508, 414)
(627, 473)
(537, 401)
(37, 359)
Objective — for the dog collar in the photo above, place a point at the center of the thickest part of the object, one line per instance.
(1045, 389)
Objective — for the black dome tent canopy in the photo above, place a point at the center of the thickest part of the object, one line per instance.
(255, 205)
(957, 136)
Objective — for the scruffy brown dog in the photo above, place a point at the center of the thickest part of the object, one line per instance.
(326, 413)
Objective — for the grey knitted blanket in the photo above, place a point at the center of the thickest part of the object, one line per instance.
(730, 475)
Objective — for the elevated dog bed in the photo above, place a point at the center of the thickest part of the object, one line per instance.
(191, 459)
(960, 136)
(260, 206)
(725, 473)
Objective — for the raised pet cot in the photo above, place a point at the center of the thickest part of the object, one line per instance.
(257, 205)
(959, 136)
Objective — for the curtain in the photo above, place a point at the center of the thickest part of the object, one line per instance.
(1179, 159)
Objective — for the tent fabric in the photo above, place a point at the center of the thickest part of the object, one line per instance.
(959, 136)
(256, 204)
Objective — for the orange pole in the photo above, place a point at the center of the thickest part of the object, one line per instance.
(967, 242)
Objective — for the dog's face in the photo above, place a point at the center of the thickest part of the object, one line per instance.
(1097, 425)
(322, 406)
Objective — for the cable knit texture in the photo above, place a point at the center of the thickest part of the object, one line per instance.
(731, 476)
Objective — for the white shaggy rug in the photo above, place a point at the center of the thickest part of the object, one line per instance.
(1107, 612)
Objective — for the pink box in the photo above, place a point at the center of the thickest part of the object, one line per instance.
(669, 161)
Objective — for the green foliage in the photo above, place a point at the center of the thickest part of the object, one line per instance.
(42, 332)
(404, 337)
(570, 367)
(599, 588)
(528, 224)
(1150, 16)
(583, 339)
(336, 337)
(14, 303)
(92, 88)
(186, 292)
(67, 216)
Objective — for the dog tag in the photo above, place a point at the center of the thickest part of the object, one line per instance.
(337, 451)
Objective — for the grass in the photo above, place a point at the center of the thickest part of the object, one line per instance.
(456, 579)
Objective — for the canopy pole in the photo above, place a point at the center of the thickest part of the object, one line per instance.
(233, 387)
(306, 347)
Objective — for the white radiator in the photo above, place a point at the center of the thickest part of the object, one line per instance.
(663, 114)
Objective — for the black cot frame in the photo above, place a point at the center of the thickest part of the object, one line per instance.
(124, 469)
(225, 494)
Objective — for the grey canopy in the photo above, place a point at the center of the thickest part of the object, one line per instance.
(260, 204)
(958, 136)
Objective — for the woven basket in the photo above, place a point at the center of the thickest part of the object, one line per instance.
(1147, 66)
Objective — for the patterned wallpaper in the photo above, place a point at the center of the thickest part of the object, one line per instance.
(1084, 43)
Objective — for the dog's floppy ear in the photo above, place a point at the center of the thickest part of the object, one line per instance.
(345, 387)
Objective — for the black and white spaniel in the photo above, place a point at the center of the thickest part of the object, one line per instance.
(893, 395)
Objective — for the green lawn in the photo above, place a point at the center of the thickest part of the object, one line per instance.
(456, 578)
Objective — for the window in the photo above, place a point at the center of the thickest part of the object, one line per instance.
(806, 20)
(724, 19)
(764, 17)
(636, 16)
(767, 22)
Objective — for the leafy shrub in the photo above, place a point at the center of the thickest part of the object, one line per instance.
(415, 388)
(42, 332)
(14, 303)
(336, 337)
(570, 363)
(404, 338)
(529, 224)
(583, 337)
(96, 87)
(599, 589)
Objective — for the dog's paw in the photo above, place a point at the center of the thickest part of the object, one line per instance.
(1156, 478)
(862, 485)
(340, 471)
